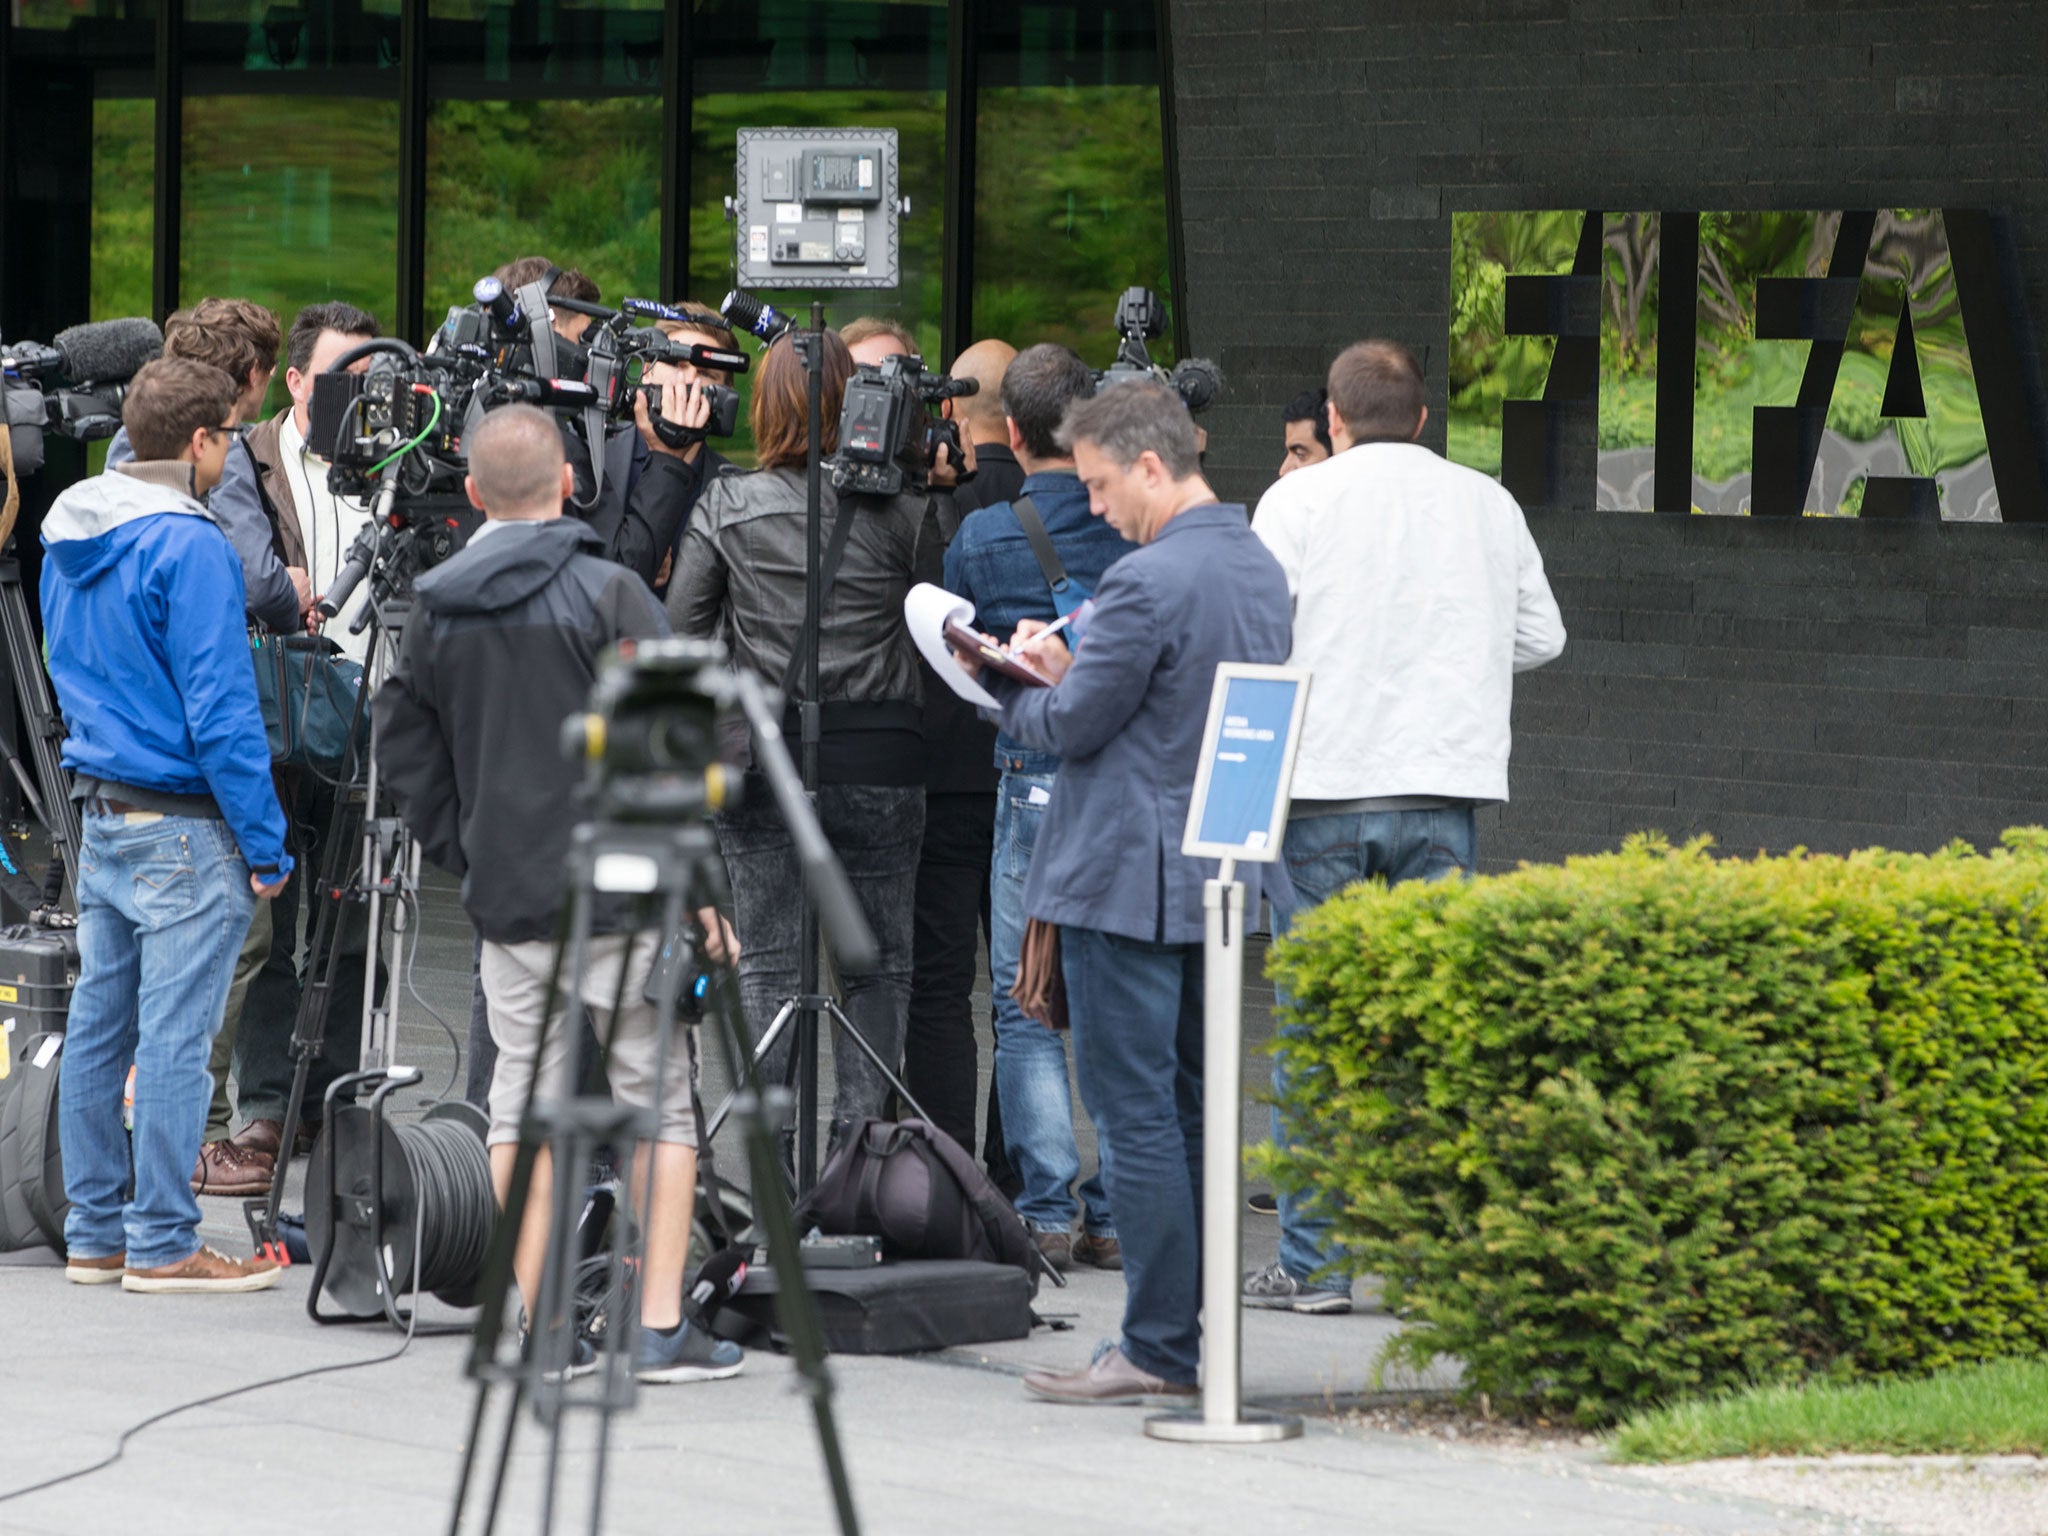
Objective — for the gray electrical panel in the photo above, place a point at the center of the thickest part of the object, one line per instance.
(817, 208)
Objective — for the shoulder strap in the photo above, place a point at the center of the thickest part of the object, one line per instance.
(835, 551)
(1065, 595)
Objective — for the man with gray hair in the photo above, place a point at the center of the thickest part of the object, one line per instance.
(503, 649)
(1125, 715)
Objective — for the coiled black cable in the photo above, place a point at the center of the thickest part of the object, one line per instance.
(458, 1209)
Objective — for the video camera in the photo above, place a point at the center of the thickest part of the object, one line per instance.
(651, 733)
(74, 386)
(887, 436)
(1141, 317)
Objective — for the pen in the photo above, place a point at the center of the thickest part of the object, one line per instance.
(1051, 629)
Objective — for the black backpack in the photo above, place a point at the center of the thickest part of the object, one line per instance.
(32, 1201)
(913, 1186)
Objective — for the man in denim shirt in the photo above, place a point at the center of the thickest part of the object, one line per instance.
(991, 563)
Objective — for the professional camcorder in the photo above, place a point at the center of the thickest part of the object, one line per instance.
(651, 733)
(1140, 318)
(74, 386)
(888, 437)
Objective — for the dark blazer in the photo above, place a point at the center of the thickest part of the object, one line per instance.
(1127, 720)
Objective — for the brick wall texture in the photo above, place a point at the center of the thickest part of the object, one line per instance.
(1826, 684)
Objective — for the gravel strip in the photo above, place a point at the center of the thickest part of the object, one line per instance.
(1912, 1495)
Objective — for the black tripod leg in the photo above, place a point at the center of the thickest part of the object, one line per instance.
(847, 1029)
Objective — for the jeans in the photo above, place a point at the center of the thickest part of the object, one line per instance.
(1031, 1060)
(875, 830)
(1137, 1015)
(163, 905)
(264, 1065)
(1324, 855)
(941, 1066)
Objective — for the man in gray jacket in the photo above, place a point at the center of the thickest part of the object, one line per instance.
(1126, 714)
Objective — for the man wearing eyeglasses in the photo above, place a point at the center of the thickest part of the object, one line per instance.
(142, 604)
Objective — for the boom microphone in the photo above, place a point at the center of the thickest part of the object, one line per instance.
(108, 351)
(1197, 381)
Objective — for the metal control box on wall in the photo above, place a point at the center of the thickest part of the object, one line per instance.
(817, 208)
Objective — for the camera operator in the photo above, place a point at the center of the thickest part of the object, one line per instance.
(872, 340)
(503, 648)
(677, 450)
(142, 603)
(289, 477)
(741, 576)
(242, 340)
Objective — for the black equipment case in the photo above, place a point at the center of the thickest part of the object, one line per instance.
(894, 1309)
(38, 968)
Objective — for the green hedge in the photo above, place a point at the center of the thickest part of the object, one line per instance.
(1652, 1124)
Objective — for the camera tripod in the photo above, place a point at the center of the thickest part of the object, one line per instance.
(679, 867)
(47, 787)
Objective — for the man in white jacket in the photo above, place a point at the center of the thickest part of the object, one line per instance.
(1418, 594)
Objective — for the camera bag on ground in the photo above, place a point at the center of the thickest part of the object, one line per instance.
(32, 1202)
(307, 689)
(917, 1189)
(891, 1309)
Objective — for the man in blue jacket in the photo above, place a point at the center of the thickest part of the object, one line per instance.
(142, 604)
(1126, 713)
(993, 562)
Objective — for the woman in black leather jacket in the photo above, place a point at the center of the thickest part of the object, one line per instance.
(739, 576)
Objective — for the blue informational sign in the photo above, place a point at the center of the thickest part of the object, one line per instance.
(1240, 801)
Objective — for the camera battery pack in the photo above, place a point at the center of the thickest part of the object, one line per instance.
(841, 1252)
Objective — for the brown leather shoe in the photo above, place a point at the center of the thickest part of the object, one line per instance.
(265, 1135)
(1058, 1247)
(1109, 1379)
(1100, 1250)
(225, 1168)
(207, 1270)
(95, 1271)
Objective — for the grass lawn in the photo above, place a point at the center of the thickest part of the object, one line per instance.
(1996, 1409)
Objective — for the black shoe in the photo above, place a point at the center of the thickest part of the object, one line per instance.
(1263, 1201)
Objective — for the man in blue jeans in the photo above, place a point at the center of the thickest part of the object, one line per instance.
(992, 562)
(1418, 594)
(142, 606)
(1126, 712)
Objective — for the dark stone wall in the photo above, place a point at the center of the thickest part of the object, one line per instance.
(1831, 684)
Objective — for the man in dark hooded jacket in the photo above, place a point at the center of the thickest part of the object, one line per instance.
(503, 647)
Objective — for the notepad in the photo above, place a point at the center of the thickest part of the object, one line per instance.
(939, 621)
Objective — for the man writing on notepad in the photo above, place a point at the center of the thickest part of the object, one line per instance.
(1008, 559)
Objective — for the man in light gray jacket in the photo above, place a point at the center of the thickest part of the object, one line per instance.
(1418, 594)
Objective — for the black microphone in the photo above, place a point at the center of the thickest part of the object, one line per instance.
(719, 1280)
(568, 394)
(491, 294)
(108, 351)
(747, 313)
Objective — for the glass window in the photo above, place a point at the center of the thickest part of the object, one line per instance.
(544, 139)
(796, 64)
(1061, 231)
(123, 205)
(290, 147)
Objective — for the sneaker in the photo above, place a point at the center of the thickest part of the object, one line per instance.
(207, 1270)
(685, 1353)
(95, 1271)
(1277, 1291)
(582, 1359)
(1100, 1249)
(1058, 1247)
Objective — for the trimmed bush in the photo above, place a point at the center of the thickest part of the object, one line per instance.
(1652, 1124)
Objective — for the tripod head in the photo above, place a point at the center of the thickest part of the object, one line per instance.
(651, 740)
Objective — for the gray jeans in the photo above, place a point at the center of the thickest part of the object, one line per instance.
(876, 831)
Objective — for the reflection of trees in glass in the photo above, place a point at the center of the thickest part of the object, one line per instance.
(1062, 230)
(123, 206)
(291, 199)
(576, 181)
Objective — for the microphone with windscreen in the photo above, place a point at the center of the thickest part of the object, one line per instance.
(108, 351)
(718, 1281)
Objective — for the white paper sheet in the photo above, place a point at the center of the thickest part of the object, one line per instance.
(926, 609)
